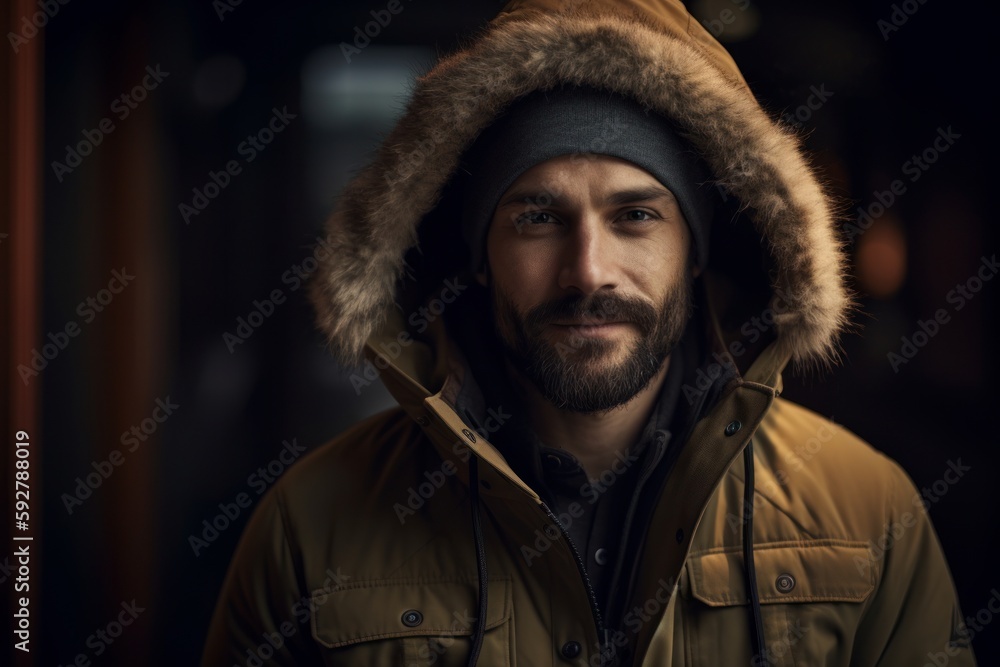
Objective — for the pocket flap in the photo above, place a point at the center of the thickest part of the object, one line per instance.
(825, 571)
(367, 610)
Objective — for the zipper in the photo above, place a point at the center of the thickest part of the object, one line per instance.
(630, 519)
(677, 445)
(602, 632)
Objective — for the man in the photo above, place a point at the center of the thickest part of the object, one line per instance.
(590, 464)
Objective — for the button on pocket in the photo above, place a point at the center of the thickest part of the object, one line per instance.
(428, 622)
(784, 583)
(412, 618)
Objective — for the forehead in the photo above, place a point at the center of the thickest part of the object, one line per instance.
(581, 177)
(578, 166)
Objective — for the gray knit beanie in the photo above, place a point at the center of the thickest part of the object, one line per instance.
(547, 124)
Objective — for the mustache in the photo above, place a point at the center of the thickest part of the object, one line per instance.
(597, 307)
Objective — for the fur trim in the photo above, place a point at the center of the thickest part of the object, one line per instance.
(753, 158)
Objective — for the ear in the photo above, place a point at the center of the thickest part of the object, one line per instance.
(695, 270)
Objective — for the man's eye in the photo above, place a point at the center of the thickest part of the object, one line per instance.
(536, 218)
(637, 215)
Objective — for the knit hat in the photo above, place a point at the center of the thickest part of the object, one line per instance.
(548, 124)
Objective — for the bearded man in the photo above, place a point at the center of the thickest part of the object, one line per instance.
(551, 264)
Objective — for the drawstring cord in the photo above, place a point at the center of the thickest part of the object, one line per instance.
(477, 530)
(756, 623)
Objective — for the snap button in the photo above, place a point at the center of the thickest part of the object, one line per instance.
(785, 583)
(571, 649)
(412, 618)
(469, 434)
(422, 420)
(733, 427)
(601, 556)
(553, 461)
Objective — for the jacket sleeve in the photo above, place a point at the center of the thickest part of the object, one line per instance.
(914, 618)
(262, 616)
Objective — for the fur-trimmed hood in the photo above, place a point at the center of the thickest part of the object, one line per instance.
(780, 231)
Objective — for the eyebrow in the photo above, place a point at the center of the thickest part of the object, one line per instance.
(646, 193)
(531, 195)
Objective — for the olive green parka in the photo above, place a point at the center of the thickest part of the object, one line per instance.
(365, 553)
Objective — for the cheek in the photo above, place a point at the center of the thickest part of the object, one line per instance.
(521, 269)
(654, 265)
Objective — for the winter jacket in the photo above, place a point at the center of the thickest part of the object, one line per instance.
(777, 538)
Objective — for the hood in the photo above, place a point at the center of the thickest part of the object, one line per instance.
(777, 269)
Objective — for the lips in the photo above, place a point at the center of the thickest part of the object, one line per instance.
(589, 328)
(586, 323)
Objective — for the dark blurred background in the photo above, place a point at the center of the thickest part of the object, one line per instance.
(157, 374)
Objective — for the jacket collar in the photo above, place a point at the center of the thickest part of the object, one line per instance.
(430, 374)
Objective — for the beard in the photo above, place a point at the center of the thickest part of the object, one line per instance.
(577, 373)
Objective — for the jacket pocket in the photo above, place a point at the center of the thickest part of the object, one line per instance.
(413, 623)
(811, 596)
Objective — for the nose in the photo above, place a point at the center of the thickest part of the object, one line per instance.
(588, 260)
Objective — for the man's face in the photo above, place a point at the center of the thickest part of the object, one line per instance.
(590, 278)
